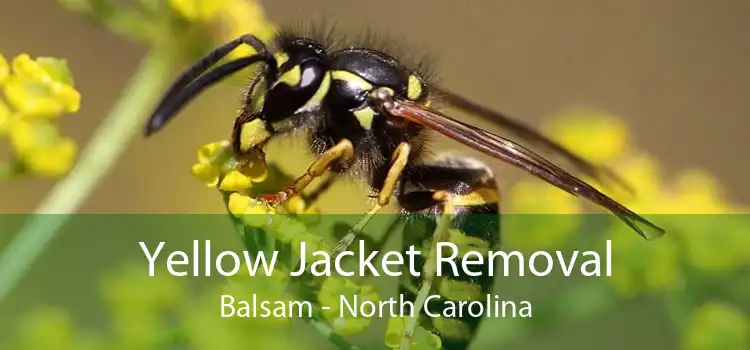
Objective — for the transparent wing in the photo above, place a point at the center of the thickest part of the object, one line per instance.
(529, 134)
(518, 155)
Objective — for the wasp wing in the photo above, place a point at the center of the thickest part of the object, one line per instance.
(527, 133)
(518, 155)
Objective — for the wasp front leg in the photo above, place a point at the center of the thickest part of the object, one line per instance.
(453, 200)
(398, 163)
(341, 152)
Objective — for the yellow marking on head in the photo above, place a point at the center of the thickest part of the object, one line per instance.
(365, 117)
(281, 58)
(291, 77)
(352, 78)
(321, 93)
(253, 134)
(481, 196)
(413, 88)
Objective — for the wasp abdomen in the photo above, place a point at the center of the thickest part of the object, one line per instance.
(466, 189)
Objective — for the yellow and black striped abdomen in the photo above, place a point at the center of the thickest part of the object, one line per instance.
(469, 193)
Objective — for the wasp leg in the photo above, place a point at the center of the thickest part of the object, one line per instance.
(341, 152)
(316, 193)
(454, 200)
(398, 163)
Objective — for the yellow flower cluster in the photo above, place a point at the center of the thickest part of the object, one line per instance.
(187, 27)
(421, 340)
(52, 328)
(208, 331)
(218, 168)
(542, 216)
(643, 266)
(231, 18)
(139, 314)
(715, 325)
(159, 314)
(331, 291)
(36, 93)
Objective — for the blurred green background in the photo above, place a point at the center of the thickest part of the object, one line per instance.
(676, 71)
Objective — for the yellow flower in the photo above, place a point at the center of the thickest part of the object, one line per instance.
(331, 291)
(229, 18)
(716, 326)
(198, 10)
(49, 328)
(160, 292)
(541, 216)
(139, 314)
(211, 157)
(714, 238)
(537, 197)
(643, 173)
(206, 173)
(714, 242)
(238, 203)
(697, 192)
(41, 88)
(216, 161)
(422, 339)
(37, 91)
(295, 205)
(696, 218)
(239, 17)
(53, 161)
(250, 211)
(235, 181)
(201, 319)
(640, 266)
(43, 151)
(597, 136)
(4, 69)
(5, 117)
(38, 88)
(298, 207)
(241, 179)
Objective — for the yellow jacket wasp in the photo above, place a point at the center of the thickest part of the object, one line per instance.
(367, 114)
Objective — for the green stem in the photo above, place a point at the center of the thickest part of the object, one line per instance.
(101, 153)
